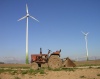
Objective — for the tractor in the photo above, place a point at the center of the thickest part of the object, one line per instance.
(53, 60)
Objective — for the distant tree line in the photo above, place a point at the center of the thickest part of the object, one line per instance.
(1, 62)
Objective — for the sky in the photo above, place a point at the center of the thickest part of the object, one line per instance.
(59, 27)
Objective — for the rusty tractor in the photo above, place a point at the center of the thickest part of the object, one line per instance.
(53, 60)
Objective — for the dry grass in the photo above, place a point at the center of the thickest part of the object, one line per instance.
(44, 73)
(78, 63)
(88, 63)
(15, 65)
(77, 74)
(28, 66)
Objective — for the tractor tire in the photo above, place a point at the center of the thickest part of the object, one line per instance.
(34, 66)
(54, 62)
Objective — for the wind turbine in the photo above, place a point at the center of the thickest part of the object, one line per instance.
(26, 16)
(85, 34)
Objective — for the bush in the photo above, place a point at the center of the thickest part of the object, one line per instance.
(17, 78)
(98, 74)
(82, 77)
(31, 71)
(68, 69)
(13, 72)
(42, 72)
(24, 72)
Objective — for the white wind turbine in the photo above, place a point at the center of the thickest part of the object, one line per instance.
(85, 34)
(26, 16)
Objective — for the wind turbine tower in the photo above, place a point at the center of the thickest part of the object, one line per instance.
(27, 16)
(85, 34)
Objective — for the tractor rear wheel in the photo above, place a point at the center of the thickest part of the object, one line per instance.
(34, 66)
(54, 62)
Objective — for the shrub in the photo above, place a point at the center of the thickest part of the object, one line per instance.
(24, 72)
(1, 70)
(68, 69)
(82, 77)
(42, 72)
(98, 74)
(31, 71)
(13, 72)
(98, 67)
(17, 78)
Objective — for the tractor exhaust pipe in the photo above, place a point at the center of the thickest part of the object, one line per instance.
(40, 51)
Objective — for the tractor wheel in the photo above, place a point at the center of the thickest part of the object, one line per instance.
(54, 62)
(34, 66)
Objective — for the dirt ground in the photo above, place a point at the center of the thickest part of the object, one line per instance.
(78, 63)
(77, 74)
(84, 63)
(88, 73)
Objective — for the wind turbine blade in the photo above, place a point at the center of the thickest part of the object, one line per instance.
(22, 18)
(26, 9)
(87, 33)
(33, 18)
(83, 33)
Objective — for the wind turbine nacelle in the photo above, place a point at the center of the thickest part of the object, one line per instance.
(27, 15)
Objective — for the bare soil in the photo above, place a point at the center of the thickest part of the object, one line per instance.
(78, 63)
(77, 74)
(84, 63)
(86, 73)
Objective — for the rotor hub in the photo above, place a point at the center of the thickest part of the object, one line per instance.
(27, 15)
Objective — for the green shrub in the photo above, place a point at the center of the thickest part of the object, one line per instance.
(50, 68)
(13, 72)
(31, 71)
(98, 67)
(57, 69)
(1, 70)
(24, 72)
(68, 69)
(42, 72)
(98, 74)
(17, 78)
(82, 77)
